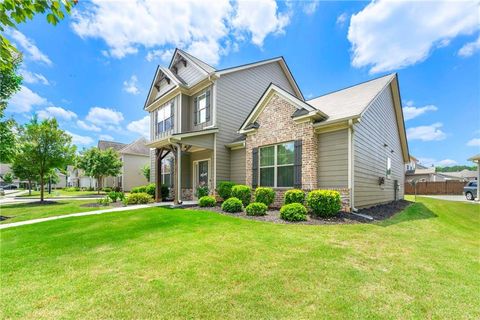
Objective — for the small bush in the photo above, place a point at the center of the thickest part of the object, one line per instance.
(202, 192)
(71, 189)
(225, 189)
(105, 201)
(256, 209)
(107, 189)
(324, 203)
(294, 196)
(264, 195)
(150, 189)
(293, 212)
(207, 201)
(164, 191)
(90, 189)
(139, 198)
(242, 192)
(114, 195)
(232, 205)
(139, 189)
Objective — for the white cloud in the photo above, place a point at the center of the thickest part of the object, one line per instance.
(126, 26)
(341, 19)
(470, 48)
(141, 126)
(24, 100)
(28, 47)
(163, 55)
(105, 137)
(310, 7)
(389, 35)
(426, 133)
(428, 162)
(89, 127)
(80, 140)
(56, 112)
(410, 112)
(474, 142)
(130, 85)
(104, 116)
(32, 77)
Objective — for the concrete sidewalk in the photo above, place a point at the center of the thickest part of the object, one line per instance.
(89, 213)
(457, 198)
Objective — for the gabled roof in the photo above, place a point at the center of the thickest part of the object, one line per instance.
(103, 145)
(202, 64)
(352, 101)
(137, 147)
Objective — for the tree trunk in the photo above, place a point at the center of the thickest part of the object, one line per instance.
(29, 187)
(41, 188)
(99, 184)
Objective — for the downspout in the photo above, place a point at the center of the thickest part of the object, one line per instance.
(351, 165)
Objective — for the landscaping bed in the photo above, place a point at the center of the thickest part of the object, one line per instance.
(385, 211)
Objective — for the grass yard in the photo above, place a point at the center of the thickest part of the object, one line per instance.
(162, 263)
(28, 211)
(61, 193)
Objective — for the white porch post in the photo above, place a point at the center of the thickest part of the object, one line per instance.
(178, 198)
(214, 162)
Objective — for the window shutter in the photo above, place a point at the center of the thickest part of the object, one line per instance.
(207, 105)
(297, 168)
(195, 110)
(254, 167)
(172, 115)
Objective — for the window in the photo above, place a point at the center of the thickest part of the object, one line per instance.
(202, 108)
(389, 167)
(167, 172)
(164, 117)
(276, 165)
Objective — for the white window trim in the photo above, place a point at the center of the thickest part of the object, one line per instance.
(157, 121)
(275, 165)
(200, 96)
(388, 168)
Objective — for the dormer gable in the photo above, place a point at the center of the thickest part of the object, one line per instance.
(189, 68)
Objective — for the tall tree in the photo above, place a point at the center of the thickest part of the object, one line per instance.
(8, 177)
(23, 169)
(47, 147)
(99, 164)
(146, 171)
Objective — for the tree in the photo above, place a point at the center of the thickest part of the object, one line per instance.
(8, 178)
(46, 146)
(146, 171)
(99, 164)
(22, 168)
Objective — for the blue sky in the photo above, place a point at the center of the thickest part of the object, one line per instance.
(94, 69)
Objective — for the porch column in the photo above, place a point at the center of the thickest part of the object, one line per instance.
(178, 170)
(214, 187)
(158, 174)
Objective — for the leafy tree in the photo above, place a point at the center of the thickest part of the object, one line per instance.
(99, 164)
(455, 168)
(23, 169)
(47, 147)
(146, 171)
(8, 178)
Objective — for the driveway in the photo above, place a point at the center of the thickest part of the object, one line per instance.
(452, 198)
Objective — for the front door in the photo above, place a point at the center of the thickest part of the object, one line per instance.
(202, 176)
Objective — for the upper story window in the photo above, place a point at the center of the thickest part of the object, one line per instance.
(202, 108)
(276, 165)
(164, 118)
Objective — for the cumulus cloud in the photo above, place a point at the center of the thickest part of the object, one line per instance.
(389, 35)
(163, 55)
(28, 47)
(470, 48)
(130, 85)
(56, 112)
(202, 26)
(474, 142)
(105, 137)
(24, 100)
(32, 77)
(87, 126)
(310, 7)
(141, 126)
(341, 19)
(426, 133)
(80, 140)
(410, 112)
(104, 116)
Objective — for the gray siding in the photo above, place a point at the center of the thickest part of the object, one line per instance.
(164, 87)
(237, 94)
(333, 159)
(378, 126)
(152, 166)
(238, 166)
(191, 74)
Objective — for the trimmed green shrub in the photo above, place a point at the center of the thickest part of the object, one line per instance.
(114, 195)
(264, 195)
(293, 212)
(294, 196)
(139, 189)
(105, 201)
(224, 189)
(324, 203)
(164, 191)
(242, 192)
(207, 201)
(139, 198)
(107, 189)
(202, 192)
(256, 209)
(232, 205)
(150, 189)
(71, 189)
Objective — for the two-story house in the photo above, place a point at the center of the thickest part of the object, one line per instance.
(251, 124)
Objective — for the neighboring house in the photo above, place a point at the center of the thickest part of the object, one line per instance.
(464, 175)
(415, 171)
(77, 178)
(4, 169)
(251, 124)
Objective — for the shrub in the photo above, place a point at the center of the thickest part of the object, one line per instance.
(232, 205)
(324, 203)
(207, 201)
(150, 189)
(139, 198)
(71, 189)
(294, 196)
(202, 192)
(293, 212)
(256, 209)
(107, 189)
(164, 191)
(139, 189)
(90, 189)
(242, 192)
(114, 195)
(225, 189)
(105, 201)
(264, 195)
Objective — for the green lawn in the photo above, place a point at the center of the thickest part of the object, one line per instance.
(161, 263)
(62, 193)
(28, 211)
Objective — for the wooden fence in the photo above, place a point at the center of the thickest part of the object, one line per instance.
(440, 187)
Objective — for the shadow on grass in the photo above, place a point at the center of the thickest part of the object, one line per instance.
(31, 204)
(415, 211)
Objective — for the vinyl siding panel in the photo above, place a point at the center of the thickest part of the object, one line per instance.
(378, 126)
(333, 159)
(191, 74)
(237, 94)
(131, 174)
(238, 166)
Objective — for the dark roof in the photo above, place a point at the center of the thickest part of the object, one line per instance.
(103, 145)
(299, 112)
(254, 125)
(238, 139)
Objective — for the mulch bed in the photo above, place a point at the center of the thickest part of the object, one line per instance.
(380, 212)
(98, 205)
